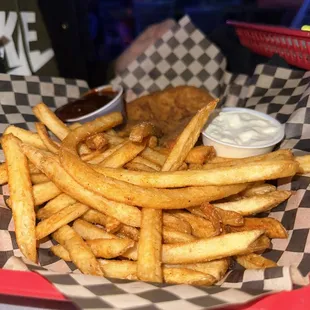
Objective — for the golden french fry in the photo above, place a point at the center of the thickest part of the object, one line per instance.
(149, 246)
(220, 176)
(273, 228)
(25, 136)
(200, 154)
(90, 232)
(105, 154)
(38, 178)
(175, 223)
(174, 236)
(258, 246)
(129, 232)
(146, 162)
(22, 202)
(126, 214)
(111, 224)
(113, 139)
(123, 155)
(187, 276)
(138, 167)
(61, 252)
(48, 142)
(120, 269)
(97, 141)
(59, 219)
(74, 125)
(259, 189)
(254, 261)
(304, 164)
(80, 253)
(215, 268)
(143, 130)
(203, 250)
(153, 156)
(54, 206)
(152, 142)
(44, 192)
(54, 124)
(208, 249)
(3, 174)
(201, 227)
(91, 156)
(228, 217)
(188, 138)
(255, 204)
(109, 248)
(194, 167)
(211, 213)
(218, 162)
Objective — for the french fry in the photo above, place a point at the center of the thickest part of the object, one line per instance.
(123, 155)
(22, 202)
(25, 136)
(48, 142)
(74, 125)
(201, 227)
(38, 178)
(79, 251)
(208, 249)
(91, 156)
(194, 167)
(188, 138)
(254, 261)
(153, 156)
(255, 204)
(258, 246)
(200, 154)
(258, 190)
(187, 276)
(44, 192)
(109, 248)
(126, 214)
(152, 142)
(54, 206)
(113, 139)
(273, 228)
(211, 213)
(217, 162)
(54, 124)
(124, 269)
(260, 171)
(143, 130)
(90, 232)
(228, 217)
(175, 223)
(138, 167)
(112, 225)
(57, 220)
(174, 236)
(103, 155)
(61, 252)
(120, 269)
(149, 246)
(146, 162)
(129, 232)
(97, 141)
(215, 268)
(304, 164)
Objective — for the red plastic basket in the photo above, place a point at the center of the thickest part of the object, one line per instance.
(291, 44)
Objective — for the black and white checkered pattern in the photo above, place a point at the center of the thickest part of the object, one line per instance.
(182, 56)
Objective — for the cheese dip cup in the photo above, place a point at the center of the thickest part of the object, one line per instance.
(240, 132)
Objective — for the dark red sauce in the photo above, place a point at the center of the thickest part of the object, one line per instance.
(90, 102)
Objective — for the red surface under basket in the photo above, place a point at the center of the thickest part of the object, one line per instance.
(291, 44)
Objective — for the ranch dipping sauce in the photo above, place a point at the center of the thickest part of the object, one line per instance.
(244, 129)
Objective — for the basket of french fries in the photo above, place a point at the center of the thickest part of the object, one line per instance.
(142, 209)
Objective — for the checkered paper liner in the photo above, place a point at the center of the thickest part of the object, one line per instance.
(182, 56)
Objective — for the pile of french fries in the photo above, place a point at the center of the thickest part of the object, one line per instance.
(127, 208)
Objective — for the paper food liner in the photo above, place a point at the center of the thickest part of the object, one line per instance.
(183, 56)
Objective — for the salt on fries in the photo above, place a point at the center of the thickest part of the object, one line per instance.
(125, 207)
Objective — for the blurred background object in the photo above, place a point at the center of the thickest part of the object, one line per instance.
(119, 22)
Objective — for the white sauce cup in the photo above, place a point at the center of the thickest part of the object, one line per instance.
(224, 149)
